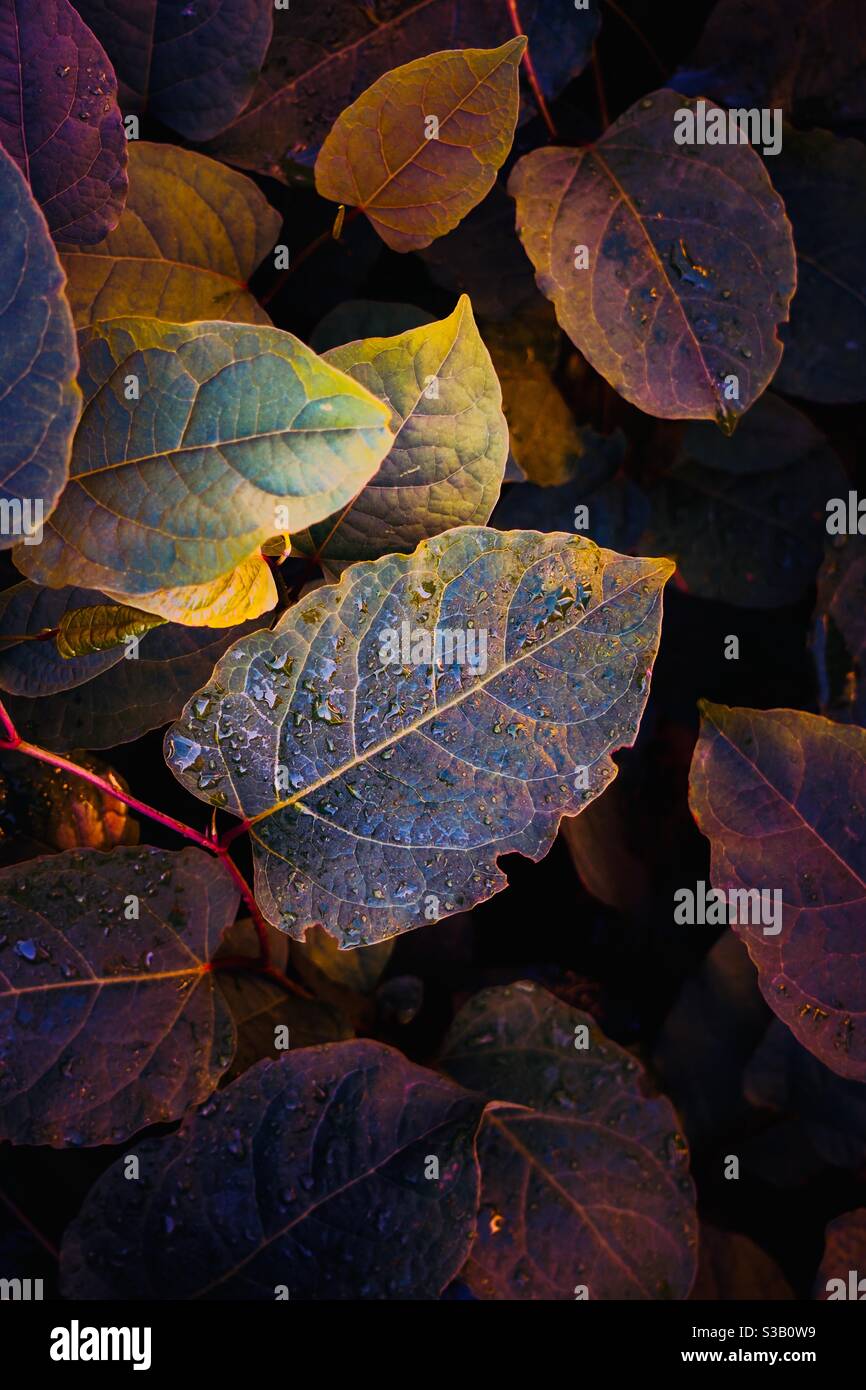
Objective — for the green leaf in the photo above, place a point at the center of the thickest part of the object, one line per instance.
(671, 284)
(583, 1175)
(39, 400)
(110, 1016)
(237, 433)
(451, 440)
(187, 242)
(383, 781)
(416, 180)
(99, 628)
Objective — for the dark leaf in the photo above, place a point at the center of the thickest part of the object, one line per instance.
(845, 1251)
(365, 318)
(306, 1174)
(110, 1021)
(484, 259)
(731, 1266)
(839, 632)
(62, 811)
(579, 1130)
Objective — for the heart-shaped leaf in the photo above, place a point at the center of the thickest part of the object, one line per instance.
(421, 147)
(190, 237)
(583, 1175)
(192, 66)
(761, 497)
(451, 440)
(98, 947)
(839, 631)
(779, 795)
(671, 284)
(59, 117)
(199, 442)
(39, 399)
(399, 731)
(107, 697)
(328, 1156)
(323, 56)
(823, 182)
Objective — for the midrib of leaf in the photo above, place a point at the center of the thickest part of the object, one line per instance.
(110, 257)
(438, 710)
(98, 981)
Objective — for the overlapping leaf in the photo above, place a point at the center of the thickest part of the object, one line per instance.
(779, 794)
(101, 627)
(39, 399)
(690, 261)
(451, 440)
(78, 972)
(176, 487)
(760, 496)
(583, 1175)
(823, 182)
(51, 808)
(193, 66)
(59, 117)
(107, 697)
(415, 181)
(731, 1266)
(839, 631)
(190, 236)
(323, 1155)
(323, 56)
(484, 259)
(384, 783)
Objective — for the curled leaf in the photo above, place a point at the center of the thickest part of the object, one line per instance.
(82, 631)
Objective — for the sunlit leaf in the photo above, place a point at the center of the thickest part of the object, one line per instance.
(583, 1175)
(687, 276)
(760, 495)
(245, 592)
(451, 440)
(192, 66)
(839, 631)
(61, 811)
(232, 426)
(383, 789)
(416, 180)
(81, 972)
(59, 117)
(39, 399)
(190, 237)
(823, 182)
(105, 698)
(324, 56)
(324, 1154)
(100, 627)
(778, 793)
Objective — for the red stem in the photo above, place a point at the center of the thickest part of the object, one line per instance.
(599, 87)
(28, 1224)
(531, 74)
(295, 261)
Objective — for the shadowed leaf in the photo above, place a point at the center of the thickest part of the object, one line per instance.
(839, 632)
(39, 400)
(61, 811)
(59, 117)
(190, 237)
(77, 973)
(690, 262)
(778, 793)
(381, 157)
(484, 259)
(227, 425)
(730, 1266)
(365, 318)
(570, 1127)
(384, 785)
(192, 66)
(451, 440)
(324, 1154)
(845, 1250)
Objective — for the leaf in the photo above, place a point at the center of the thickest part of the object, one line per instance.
(732, 1267)
(39, 400)
(687, 279)
(191, 66)
(100, 627)
(180, 486)
(323, 56)
(583, 1177)
(414, 187)
(839, 632)
(190, 237)
(451, 440)
(61, 811)
(103, 699)
(324, 1155)
(78, 974)
(59, 118)
(845, 1250)
(244, 593)
(381, 798)
(778, 795)
(484, 259)
(605, 861)
(365, 318)
(823, 182)
(761, 496)
(803, 57)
